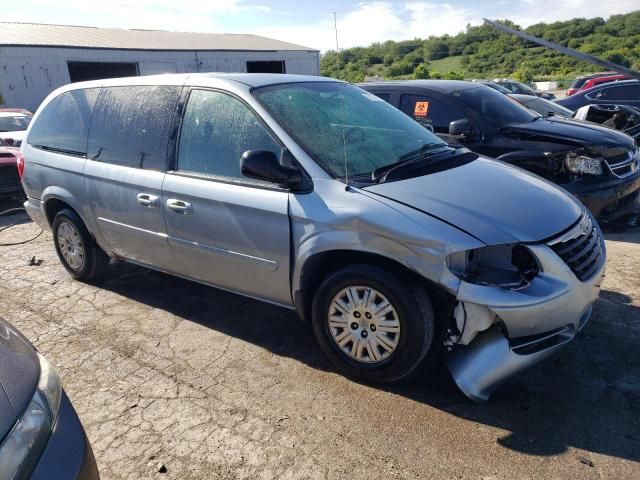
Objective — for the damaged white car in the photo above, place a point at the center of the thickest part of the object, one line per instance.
(313, 194)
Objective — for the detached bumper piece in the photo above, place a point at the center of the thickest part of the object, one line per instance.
(481, 367)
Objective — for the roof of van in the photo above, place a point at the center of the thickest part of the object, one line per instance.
(263, 79)
(441, 86)
(46, 35)
(253, 80)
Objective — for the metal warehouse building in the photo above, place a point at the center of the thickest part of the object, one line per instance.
(36, 59)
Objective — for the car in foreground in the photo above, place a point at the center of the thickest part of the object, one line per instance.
(522, 89)
(9, 178)
(312, 194)
(623, 92)
(546, 108)
(598, 165)
(41, 436)
(13, 126)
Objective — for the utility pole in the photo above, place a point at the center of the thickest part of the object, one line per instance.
(566, 50)
(335, 25)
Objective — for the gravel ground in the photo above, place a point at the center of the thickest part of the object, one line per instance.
(168, 375)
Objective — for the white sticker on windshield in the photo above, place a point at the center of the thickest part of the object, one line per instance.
(372, 97)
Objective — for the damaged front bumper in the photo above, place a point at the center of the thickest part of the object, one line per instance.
(507, 331)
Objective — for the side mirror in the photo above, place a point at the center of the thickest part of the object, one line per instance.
(264, 165)
(460, 128)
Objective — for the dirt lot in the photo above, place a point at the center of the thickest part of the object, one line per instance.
(208, 384)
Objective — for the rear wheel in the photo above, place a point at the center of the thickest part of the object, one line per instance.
(77, 251)
(372, 324)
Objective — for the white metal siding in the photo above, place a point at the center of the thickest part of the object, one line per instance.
(29, 74)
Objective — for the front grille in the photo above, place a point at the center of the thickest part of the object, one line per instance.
(9, 175)
(581, 249)
(622, 162)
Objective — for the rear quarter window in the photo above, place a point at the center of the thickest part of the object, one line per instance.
(131, 125)
(63, 124)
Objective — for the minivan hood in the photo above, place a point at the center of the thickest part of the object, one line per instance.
(491, 200)
(19, 374)
(570, 132)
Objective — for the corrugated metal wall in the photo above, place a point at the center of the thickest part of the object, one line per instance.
(29, 74)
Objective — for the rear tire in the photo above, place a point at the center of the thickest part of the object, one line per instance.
(373, 325)
(77, 251)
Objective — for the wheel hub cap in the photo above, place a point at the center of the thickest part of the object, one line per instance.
(364, 324)
(71, 246)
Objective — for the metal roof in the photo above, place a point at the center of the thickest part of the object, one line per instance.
(43, 35)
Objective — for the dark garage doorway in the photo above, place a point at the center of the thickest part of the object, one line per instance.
(81, 71)
(266, 67)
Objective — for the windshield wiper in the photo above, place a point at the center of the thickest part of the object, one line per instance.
(422, 153)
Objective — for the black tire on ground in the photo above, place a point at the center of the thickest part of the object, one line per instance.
(95, 260)
(414, 312)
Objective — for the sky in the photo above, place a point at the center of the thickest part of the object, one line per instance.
(308, 23)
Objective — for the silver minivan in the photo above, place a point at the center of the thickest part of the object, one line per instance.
(312, 194)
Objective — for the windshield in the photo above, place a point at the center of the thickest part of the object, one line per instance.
(14, 123)
(543, 107)
(497, 87)
(526, 88)
(344, 128)
(493, 107)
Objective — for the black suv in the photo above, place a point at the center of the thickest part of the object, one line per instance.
(599, 165)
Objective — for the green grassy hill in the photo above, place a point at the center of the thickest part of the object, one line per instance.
(485, 52)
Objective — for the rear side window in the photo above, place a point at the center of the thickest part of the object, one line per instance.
(431, 111)
(64, 123)
(578, 83)
(623, 92)
(130, 126)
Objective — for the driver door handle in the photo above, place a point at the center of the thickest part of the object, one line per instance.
(180, 206)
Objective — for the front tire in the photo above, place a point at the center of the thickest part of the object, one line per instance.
(77, 251)
(372, 324)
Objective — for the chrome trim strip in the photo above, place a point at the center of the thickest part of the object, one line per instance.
(632, 162)
(583, 227)
(541, 338)
(243, 257)
(131, 227)
(288, 306)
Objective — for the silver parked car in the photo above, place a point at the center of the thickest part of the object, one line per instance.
(313, 194)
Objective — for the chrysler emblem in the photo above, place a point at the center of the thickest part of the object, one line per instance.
(585, 226)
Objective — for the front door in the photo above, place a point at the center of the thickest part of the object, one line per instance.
(225, 229)
(125, 168)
